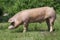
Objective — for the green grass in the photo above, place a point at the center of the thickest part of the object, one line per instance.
(36, 32)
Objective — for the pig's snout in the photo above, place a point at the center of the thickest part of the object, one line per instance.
(11, 27)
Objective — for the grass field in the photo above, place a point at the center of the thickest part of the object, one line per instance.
(36, 32)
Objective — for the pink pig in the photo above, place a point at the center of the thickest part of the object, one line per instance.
(33, 15)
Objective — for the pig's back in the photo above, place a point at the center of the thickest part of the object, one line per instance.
(36, 14)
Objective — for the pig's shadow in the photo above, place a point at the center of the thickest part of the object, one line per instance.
(41, 30)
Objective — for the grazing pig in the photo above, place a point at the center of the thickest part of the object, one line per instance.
(33, 15)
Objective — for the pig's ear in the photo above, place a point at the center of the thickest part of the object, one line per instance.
(10, 20)
(15, 20)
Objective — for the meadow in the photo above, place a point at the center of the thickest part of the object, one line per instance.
(35, 31)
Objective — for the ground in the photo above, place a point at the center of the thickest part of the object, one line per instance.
(36, 32)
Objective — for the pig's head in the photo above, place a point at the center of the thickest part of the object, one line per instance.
(13, 23)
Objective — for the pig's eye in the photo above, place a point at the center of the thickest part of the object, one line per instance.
(12, 23)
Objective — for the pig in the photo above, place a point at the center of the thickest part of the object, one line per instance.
(33, 15)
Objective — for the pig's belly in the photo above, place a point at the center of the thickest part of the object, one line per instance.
(37, 20)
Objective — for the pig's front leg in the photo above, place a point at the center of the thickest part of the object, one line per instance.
(25, 27)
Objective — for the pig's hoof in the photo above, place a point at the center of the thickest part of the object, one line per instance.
(52, 30)
(24, 31)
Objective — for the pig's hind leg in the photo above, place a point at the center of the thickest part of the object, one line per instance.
(50, 23)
